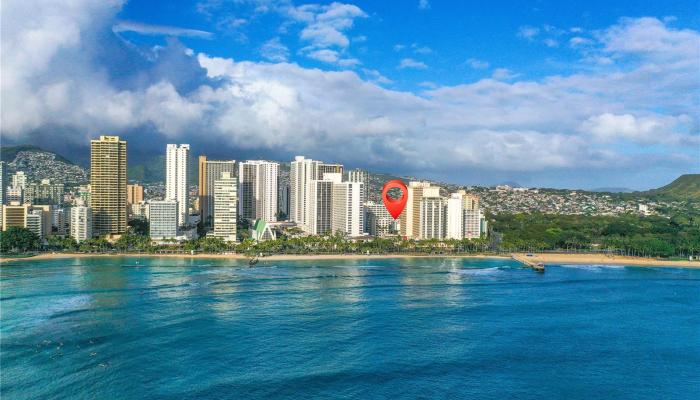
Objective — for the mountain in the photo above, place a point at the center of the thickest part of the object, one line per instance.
(40, 164)
(685, 187)
(8, 153)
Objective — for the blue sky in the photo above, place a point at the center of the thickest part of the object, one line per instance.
(564, 94)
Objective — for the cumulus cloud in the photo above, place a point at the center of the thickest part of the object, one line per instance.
(410, 63)
(423, 5)
(477, 64)
(273, 50)
(67, 72)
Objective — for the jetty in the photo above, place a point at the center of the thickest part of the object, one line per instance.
(535, 265)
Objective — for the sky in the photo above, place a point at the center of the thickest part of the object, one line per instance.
(542, 93)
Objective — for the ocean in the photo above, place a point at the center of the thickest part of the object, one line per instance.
(438, 328)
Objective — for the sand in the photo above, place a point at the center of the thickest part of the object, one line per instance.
(565, 258)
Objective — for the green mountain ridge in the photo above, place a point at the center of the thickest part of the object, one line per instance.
(685, 187)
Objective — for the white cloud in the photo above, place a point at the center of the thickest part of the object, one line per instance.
(423, 5)
(644, 129)
(503, 74)
(549, 42)
(577, 41)
(274, 50)
(52, 77)
(148, 29)
(477, 64)
(412, 64)
(418, 49)
(528, 32)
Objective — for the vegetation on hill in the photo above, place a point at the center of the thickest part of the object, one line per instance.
(685, 187)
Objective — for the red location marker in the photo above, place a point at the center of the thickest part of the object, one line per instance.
(395, 206)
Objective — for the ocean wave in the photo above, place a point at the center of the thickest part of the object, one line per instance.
(592, 267)
(480, 271)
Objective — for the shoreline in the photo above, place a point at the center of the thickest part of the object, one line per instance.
(544, 258)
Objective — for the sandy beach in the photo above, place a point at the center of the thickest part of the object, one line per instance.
(564, 258)
(545, 258)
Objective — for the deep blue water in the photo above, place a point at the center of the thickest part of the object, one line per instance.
(110, 328)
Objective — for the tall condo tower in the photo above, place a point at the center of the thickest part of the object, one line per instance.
(177, 157)
(108, 185)
(210, 171)
(225, 201)
(257, 190)
(302, 172)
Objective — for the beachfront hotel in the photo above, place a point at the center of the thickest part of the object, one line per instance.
(163, 219)
(257, 190)
(177, 159)
(225, 206)
(302, 171)
(81, 223)
(210, 171)
(347, 208)
(108, 185)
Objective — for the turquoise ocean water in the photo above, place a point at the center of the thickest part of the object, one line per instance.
(161, 328)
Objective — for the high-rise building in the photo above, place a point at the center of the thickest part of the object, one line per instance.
(225, 205)
(45, 211)
(163, 219)
(302, 171)
(60, 220)
(347, 215)
(378, 221)
(474, 224)
(134, 194)
(14, 214)
(3, 181)
(14, 195)
(35, 222)
(324, 168)
(319, 204)
(19, 179)
(360, 175)
(141, 210)
(44, 193)
(108, 185)
(432, 218)
(210, 171)
(455, 217)
(81, 223)
(283, 199)
(176, 160)
(257, 190)
(410, 217)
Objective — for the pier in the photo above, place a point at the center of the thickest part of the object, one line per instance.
(535, 265)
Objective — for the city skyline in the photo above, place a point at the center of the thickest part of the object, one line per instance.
(575, 96)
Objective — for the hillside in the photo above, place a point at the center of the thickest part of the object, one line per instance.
(40, 164)
(686, 187)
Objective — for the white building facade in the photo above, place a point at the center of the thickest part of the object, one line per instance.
(347, 214)
(177, 159)
(257, 190)
(225, 207)
(163, 219)
(81, 223)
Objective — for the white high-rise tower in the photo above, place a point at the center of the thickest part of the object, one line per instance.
(257, 190)
(177, 158)
(302, 172)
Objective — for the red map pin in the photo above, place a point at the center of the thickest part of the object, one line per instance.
(395, 206)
